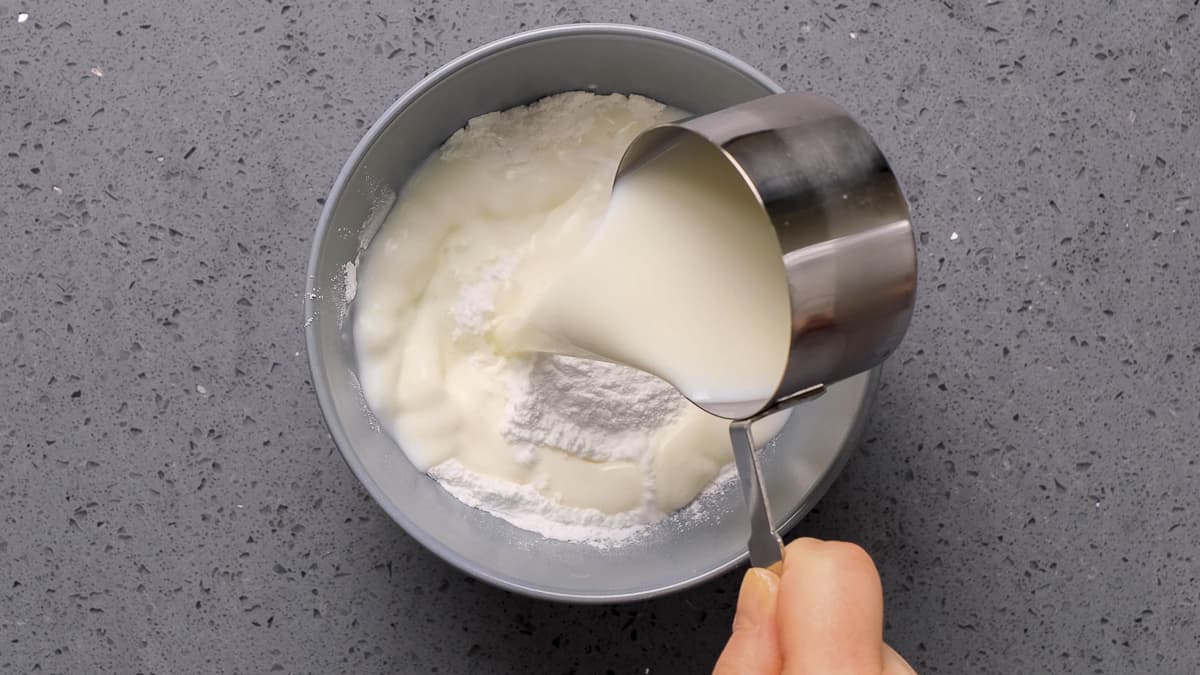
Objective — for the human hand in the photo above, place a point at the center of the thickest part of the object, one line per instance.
(822, 615)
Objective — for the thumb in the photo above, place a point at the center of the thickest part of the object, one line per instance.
(894, 664)
(753, 649)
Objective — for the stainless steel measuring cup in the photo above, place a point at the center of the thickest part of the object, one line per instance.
(842, 224)
(848, 250)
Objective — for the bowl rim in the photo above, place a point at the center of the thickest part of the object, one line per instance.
(317, 364)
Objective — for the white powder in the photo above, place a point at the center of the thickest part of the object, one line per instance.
(381, 205)
(591, 409)
(476, 304)
(596, 410)
(350, 279)
(527, 508)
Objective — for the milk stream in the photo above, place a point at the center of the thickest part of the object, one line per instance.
(683, 278)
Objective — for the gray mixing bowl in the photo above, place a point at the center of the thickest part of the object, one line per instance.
(679, 553)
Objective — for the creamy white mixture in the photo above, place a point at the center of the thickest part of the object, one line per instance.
(493, 214)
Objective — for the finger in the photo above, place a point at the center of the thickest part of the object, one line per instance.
(830, 610)
(894, 664)
(753, 649)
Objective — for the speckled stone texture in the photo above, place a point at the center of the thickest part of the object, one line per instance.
(172, 503)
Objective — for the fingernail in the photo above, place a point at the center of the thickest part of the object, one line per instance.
(756, 599)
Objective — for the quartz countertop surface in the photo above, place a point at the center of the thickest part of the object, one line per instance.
(171, 501)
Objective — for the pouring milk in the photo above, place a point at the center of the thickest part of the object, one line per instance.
(682, 278)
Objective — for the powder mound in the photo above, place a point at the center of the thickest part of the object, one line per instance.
(528, 509)
(596, 410)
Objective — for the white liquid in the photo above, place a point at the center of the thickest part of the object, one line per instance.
(520, 189)
(683, 279)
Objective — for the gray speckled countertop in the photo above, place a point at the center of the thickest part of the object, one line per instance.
(170, 501)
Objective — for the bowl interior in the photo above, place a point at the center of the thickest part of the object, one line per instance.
(514, 71)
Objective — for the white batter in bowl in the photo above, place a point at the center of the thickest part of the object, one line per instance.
(677, 552)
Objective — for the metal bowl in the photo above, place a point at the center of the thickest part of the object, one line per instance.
(681, 551)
